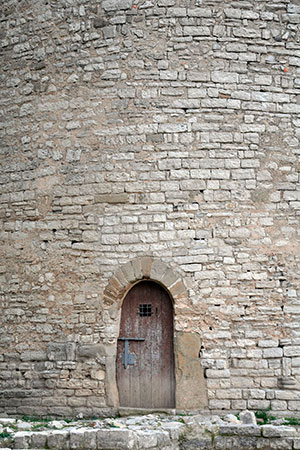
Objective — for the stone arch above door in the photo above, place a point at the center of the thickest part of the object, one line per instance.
(191, 390)
(138, 269)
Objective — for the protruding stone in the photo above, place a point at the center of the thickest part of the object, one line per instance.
(248, 417)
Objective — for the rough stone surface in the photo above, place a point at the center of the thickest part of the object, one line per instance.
(190, 386)
(248, 417)
(154, 431)
(150, 139)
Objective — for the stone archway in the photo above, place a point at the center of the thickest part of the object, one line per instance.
(191, 392)
(144, 268)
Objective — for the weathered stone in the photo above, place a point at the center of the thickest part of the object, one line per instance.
(92, 351)
(150, 141)
(121, 439)
(39, 439)
(242, 430)
(190, 388)
(57, 439)
(272, 431)
(248, 417)
(22, 439)
(111, 198)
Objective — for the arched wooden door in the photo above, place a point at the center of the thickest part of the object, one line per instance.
(145, 354)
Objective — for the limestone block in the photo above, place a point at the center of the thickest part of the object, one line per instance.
(215, 373)
(147, 438)
(158, 269)
(272, 352)
(109, 32)
(172, 128)
(57, 439)
(175, 429)
(77, 438)
(268, 343)
(198, 76)
(22, 439)
(236, 442)
(57, 352)
(291, 351)
(112, 395)
(240, 430)
(190, 382)
(33, 356)
(248, 417)
(111, 198)
(258, 404)
(137, 268)
(176, 12)
(113, 5)
(224, 77)
(163, 439)
(116, 438)
(95, 350)
(178, 290)
(197, 443)
(39, 439)
(271, 431)
(199, 12)
(128, 272)
(90, 439)
(168, 75)
(186, 104)
(196, 31)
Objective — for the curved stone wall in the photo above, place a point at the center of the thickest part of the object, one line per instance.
(149, 130)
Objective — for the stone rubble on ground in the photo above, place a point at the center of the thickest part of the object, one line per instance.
(153, 431)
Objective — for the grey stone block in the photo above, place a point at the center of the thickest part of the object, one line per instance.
(58, 439)
(272, 431)
(116, 439)
(240, 430)
(248, 417)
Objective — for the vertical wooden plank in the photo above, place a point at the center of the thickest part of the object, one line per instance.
(150, 383)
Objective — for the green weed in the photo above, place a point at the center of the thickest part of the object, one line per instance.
(5, 435)
(291, 421)
(36, 419)
(264, 416)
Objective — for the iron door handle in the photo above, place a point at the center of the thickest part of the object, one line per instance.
(128, 359)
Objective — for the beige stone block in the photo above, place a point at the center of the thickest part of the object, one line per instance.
(169, 278)
(77, 401)
(111, 198)
(137, 269)
(116, 438)
(96, 401)
(190, 383)
(97, 374)
(146, 265)
(157, 270)
(177, 289)
(128, 272)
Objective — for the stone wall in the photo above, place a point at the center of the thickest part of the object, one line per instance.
(166, 129)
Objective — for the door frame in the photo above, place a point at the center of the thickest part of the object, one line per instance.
(152, 269)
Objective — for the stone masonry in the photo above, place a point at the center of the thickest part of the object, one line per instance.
(156, 432)
(150, 139)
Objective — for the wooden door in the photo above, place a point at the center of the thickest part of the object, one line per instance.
(145, 367)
